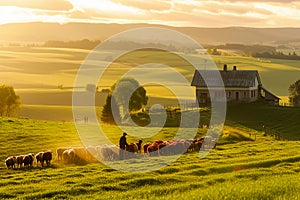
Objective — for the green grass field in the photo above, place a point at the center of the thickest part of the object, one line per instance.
(253, 115)
(239, 168)
(245, 165)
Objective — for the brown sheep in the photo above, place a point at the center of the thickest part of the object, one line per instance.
(80, 154)
(133, 148)
(145, 147)
(10, 162)
(31, 159)
(59, 152)
(69, 155)
(19, 161)
(39, 158)
(27, 160)
(152, 150)
(139, 145)
(161, 148)
(47, 156)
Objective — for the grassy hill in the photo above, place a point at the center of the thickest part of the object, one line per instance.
(36, 73)
(74, 31)
(255, 115)
(238, 168)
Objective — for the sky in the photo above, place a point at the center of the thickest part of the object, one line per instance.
(196, 13)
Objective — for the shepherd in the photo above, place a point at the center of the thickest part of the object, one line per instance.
(123, 145)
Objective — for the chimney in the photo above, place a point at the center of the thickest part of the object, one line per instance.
(234, 68)
(225, 68)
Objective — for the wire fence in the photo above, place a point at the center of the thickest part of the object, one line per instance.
(277, 134)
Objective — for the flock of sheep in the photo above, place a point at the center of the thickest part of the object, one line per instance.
(28, 160)
(111, 152)
(157, 148)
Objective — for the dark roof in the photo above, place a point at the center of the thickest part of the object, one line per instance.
(269, 95)
(231, 78)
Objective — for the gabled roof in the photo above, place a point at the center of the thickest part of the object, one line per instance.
(269, 95)
(231, 78)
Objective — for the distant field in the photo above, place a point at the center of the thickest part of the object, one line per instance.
(33, 69)
(254, 116)
(239, 168)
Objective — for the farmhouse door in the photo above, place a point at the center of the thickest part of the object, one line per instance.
(237, 96)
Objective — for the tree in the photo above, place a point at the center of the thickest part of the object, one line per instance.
(109, 115)
(9, 101)
(294, 91)
(122, 91)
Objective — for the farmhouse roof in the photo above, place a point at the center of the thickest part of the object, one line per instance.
(231, 78)
(270, 95)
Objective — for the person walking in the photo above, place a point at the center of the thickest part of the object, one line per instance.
(122, 144)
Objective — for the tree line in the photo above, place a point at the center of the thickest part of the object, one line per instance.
(277, 55)
(257, 51)
(79, 44)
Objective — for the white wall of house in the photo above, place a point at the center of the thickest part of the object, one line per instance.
(248, 94)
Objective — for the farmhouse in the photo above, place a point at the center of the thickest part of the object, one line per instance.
(240, 86)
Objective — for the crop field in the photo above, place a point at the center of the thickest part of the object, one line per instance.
(241, 167)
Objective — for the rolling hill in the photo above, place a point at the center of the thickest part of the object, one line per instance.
(41, 32)
(240, 168)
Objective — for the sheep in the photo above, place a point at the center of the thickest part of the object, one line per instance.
(107, 152)
(139, 145)
(80, 154)
(145, 147)
(133, 148)
(31, 159)
(39, 158)
(214, 142)
(91, 152)
(69, 155)
(206, 142)
(27, 160)
(19, 161)
(152, 150)
(10, 162)
(59, 152)
(161, 148)
(47, 156)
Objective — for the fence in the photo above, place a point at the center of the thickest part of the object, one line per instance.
(277, 134)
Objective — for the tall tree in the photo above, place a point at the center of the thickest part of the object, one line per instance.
(110, 112)
(9, 101)
(294, 90)
(129, 90)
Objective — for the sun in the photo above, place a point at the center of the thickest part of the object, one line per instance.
(13, 14)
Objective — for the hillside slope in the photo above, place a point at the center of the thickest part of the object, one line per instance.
(261, 169)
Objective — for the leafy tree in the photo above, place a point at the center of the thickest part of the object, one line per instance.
(294, 90)
(122, 91)
(109, 115)
(9, 101)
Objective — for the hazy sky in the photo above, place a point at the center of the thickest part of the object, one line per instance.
(201, 13)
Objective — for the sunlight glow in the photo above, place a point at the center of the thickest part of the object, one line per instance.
(206, 13)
